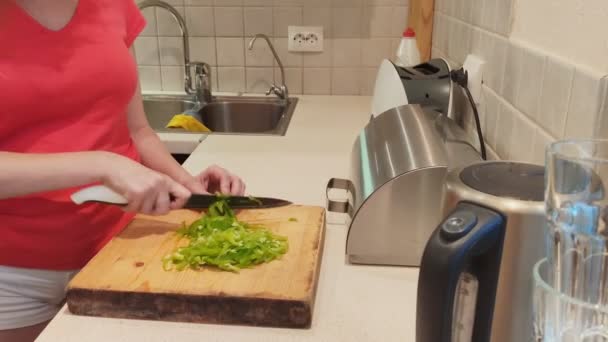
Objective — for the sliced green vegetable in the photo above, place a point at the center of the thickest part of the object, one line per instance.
(219, 239)
(293, 219)
(251, 198)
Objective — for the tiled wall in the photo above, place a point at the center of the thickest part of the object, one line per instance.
(358, 35)
(529, 97)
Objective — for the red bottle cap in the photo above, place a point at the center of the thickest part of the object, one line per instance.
(409, 33)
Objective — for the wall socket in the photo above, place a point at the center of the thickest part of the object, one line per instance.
(305, 38)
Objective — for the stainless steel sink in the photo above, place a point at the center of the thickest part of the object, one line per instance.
(225, 115)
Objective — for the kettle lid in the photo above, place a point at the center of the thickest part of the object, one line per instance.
(519, 181)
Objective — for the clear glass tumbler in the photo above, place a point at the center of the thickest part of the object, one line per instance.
(562, 318)
(577, 218)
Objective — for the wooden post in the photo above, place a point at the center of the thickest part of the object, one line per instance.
(421, 20)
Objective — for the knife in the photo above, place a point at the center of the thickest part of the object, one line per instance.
(103, 194)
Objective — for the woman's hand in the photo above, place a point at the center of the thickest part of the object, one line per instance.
(216, 179)
(147, 191)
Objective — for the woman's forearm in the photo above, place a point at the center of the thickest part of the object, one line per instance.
(155, 155)
(23, 174)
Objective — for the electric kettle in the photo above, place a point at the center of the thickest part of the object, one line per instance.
(474, 282)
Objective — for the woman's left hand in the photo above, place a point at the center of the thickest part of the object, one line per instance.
(216, 179)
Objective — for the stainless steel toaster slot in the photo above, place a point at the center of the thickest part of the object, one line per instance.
(399, 163)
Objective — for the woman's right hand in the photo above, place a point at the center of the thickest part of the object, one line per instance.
(146, 190)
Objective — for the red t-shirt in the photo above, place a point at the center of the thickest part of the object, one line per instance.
(64, 91)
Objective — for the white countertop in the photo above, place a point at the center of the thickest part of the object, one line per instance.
(354, 303)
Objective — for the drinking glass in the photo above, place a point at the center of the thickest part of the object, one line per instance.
(577, 218)
(562, 318)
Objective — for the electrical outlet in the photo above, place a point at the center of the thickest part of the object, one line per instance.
(305, 38)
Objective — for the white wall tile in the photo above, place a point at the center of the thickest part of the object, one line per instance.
(584, 105)
(317, 3)
(228, 2)
(450, 26)
(258, 20)
(541, 141)
(442, 34)
(512, 73)
(488, 16)
(260, 55)
(495, 67)
(489, 108)
(440, 6)
(319, 16)
(317, 81)
(150, 16)
(293, 78)
(214, 82)
(346, 52)
(288, 58)
(528, 92)
(231, 79)
(288, 3)
(374, 50)
(476, 12)
(449, 7)
(602, 131)
(230, 51)
(348, 23)
(399, 20)
(172, 78)
(149, 78)
(166, 24)
(504, 130)
(171, 51)
(523, 137)
(555, 96)
(200, 21)
(462, 44)
(202, 49)
(347, 3)
(345, 81)
(378, 19)
(504, 12)
(459, 9)
(491, 154)
(198, 2)
(265, 3)
(368, 81)
(229, 21)
(285, 17)
(259, 80)
(147, 51)
(320, 59)
(466, 14)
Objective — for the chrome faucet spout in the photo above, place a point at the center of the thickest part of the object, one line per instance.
(185, 38)
(281, 91)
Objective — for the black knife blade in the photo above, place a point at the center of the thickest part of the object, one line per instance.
(235, 202)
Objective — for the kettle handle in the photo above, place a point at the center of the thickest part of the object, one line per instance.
(470, 239)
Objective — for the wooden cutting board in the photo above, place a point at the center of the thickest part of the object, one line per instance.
(126, 279)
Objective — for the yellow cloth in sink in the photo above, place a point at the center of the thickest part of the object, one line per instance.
(188, 123)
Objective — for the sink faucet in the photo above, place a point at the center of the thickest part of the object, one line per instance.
(202, 71)
(280, 91)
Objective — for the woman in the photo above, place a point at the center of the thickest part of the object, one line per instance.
(71, 115)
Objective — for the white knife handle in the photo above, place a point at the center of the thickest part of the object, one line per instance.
(98, 193)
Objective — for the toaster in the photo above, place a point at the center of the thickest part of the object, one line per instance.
(399, 164)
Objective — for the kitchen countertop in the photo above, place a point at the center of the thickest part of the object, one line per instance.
(354, 303)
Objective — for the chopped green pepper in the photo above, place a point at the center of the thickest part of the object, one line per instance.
(219, 239)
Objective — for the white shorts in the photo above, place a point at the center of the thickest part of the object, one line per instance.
(29, 297)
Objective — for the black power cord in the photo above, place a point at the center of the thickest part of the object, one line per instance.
(461, 77)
